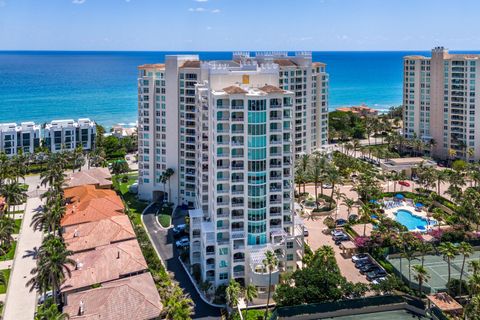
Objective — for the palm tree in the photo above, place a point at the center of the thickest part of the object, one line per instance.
(53, 265)
(7, 227)
(48, 220)
(452, 153)
(349, 203)
(449, 251)
(168, 174)
(333, 177)
(302, 165)
(326, 254)
(442, 176)
(365, 216)
(474, 280)
(356, 145)
(338, 195)
(232, 293)
(14, 194)
(317, 169)
(466, 250)
(421, 275)
(250, 293)
(270, 263)
(50, 311)
(472, 309)
(177, 306)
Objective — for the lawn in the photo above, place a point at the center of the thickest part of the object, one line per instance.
(134, 205)
(3, 288)
(254, 314)
(10, 253)
(165, 220)
(18, 223)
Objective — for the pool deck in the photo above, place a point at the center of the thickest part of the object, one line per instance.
(408, 206)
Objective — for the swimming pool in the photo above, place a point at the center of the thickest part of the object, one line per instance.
(412, 221)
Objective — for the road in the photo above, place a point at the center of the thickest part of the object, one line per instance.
(163, 241)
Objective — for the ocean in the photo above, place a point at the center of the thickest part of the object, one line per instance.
(42, 86)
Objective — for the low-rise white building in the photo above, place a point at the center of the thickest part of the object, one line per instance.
(69, 134)
(15, 139)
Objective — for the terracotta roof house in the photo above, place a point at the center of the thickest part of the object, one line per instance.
(271, 89)
(361, 110)
(88, 236)
(87, 204)
(99, 177)
(132, 298)
(234, 90)
(105, 264)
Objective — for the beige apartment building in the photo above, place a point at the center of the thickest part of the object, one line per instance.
(440, 103)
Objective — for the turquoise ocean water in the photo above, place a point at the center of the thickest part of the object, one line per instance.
(42, 86)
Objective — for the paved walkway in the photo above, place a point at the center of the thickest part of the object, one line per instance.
(6, 264)
(20, 302)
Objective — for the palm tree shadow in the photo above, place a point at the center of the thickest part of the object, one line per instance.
(31, 253)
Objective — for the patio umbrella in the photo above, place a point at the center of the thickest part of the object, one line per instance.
(373, 201)
(374, 216)
(399, 196)
(419, 205)
(421, 228)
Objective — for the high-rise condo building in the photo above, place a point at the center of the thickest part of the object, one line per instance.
(441, 104)
(230, 131)
(15, 139)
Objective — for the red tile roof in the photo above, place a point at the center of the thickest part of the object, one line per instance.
(234, 90)
(87, 204)
(104, 264)
(271, 89)
(87, 236)
(191, 64)
(132, 298)
(100, 177)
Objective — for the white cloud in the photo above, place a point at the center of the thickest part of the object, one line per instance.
(199, 9)
(78, 1)
(216, 11)
(201, 0)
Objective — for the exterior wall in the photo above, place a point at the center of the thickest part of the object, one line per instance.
(16, 139)
(66, 135)
(441, 104)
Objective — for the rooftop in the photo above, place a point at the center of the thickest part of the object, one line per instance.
(234, 90)
(96, 176)
(86, 236)
(87, 204)
(271, 89)
(152, 66)
(133, 298)
(444, 302)
(105, 264)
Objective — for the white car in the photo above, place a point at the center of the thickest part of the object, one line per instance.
(182, 243)
(378, 280)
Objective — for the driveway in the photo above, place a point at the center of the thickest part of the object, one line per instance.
(163, 241)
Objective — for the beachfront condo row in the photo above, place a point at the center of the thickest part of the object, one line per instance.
(231, 130)
(441, 104)
(57, 135)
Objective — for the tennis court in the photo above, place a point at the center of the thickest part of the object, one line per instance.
(436, 267)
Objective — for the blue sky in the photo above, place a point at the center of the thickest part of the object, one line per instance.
(212, 25)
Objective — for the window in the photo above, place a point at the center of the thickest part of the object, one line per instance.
(289, 244)
(223, 276)
(223, 264)
(290, 257)
(223, 251)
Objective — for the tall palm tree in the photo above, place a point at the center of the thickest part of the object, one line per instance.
(466, 250)
(317, 172)
(421, 275)
(53, 265)
(333, 177)
(442, 177)
(302, 166)
(232, 293)
(5, 169)
(449, 252)
(270, 263)
(14, 194)
(250, 293)
(168, 175)
(338, 195)
(7, 227)
(349, 203)
(48, 219)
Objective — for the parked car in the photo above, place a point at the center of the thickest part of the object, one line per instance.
(337, 233)
(338, 236)
(305, 232)
(44, 297)
(340, 222)
(327, 186)
(182, 243)
(378, 280)
(404, 183)
(342, 239)
(363, 262)
(376, 274)
(179, 230)
(368, 267)
(360, 256)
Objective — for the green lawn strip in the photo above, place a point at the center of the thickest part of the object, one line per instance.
(18, 223)
(10, 253)
(3, 288)
(165, 220)
(253, 314)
